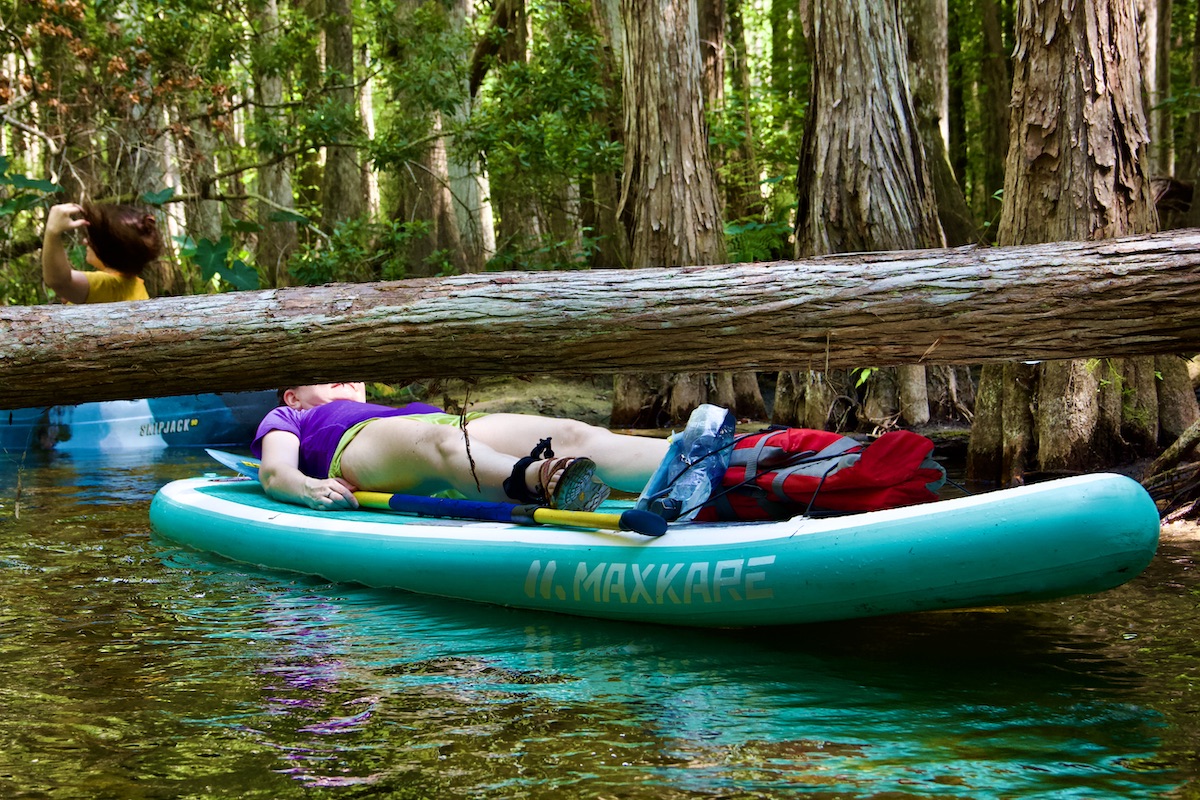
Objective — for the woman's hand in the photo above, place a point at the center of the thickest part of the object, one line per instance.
(282, 479)
(328, 494)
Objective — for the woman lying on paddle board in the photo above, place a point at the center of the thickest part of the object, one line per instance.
(325, 442)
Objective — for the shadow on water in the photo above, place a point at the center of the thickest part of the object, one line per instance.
(132, 668)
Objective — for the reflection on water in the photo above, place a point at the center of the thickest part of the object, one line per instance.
(131, 668)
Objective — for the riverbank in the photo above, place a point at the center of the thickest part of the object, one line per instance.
(1180, 532)
(585, 398)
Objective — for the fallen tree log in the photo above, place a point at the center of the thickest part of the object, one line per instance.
(1134, 296)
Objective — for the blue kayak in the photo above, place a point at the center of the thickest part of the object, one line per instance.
(198, 420)
(1064, 537)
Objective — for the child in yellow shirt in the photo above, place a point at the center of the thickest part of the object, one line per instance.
(122, 241)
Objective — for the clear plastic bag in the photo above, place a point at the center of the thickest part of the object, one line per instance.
(695, 462)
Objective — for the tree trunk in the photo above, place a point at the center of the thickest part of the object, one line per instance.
(424, 195)
(343, 195)
(788, 405)
(743, 194)
(1189, 157)
(957, 94)
(308, 72)
(747, 396)
(469, 186)
(926, 23)
(1069, 136)
(524, 224)
(669, 186)
(951, 391)
(914, 395)
(848, 202)
(605, 197)
(1067, 416)
(985, 447)
(710, 24)
(365, 92)
(277, 240)
(1076, 170)
(1016, 418)
(996, 90)
(668, 179)
(1177, 407)
(1109, 298)
(1157, 66)
(1140, 409)
(882, 399)
(197, 171)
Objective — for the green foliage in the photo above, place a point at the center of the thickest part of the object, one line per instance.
(287, 216)
(20, 283)
(546, 118)
(158, 198)
(765, 120)
(221, 269)
(419, 56)
(362, 250)
(101, 88)
(864, 375)
(20, 193)
(751, 240)
(20, 278)
(548, 254)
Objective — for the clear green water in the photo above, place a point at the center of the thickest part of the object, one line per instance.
(132, 669)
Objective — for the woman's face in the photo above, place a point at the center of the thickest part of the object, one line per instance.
(304, 397)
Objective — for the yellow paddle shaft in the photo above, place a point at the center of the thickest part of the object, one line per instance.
(543, 516)
(578, 519)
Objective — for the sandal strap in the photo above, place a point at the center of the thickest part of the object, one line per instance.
(514, 484)
(549, 469)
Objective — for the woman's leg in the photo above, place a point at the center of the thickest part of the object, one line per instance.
(623, 462)
(395, 454)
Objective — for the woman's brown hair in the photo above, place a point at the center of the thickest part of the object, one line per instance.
(124, 238)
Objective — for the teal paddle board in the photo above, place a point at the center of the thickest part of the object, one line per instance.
(1064, 537)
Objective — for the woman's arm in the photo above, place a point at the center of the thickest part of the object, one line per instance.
(69, 284)
(282, 479)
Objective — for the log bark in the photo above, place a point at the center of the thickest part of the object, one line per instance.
(951, 306)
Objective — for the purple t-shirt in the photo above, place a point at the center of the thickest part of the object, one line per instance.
(320, 429)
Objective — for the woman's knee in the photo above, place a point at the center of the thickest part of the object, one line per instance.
(570, 436)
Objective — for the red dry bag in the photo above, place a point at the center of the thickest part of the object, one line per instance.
(785, 472)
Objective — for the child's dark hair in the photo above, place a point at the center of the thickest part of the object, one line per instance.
(124, 238)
